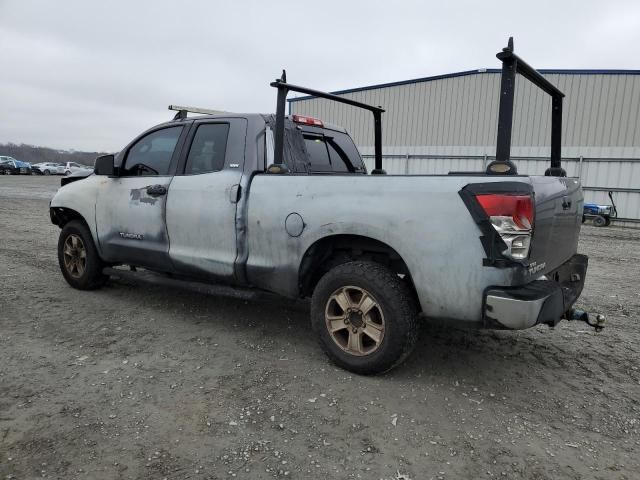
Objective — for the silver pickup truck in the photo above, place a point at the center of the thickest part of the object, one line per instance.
(285, 204)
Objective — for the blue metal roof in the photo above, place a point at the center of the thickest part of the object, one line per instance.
(473, 72)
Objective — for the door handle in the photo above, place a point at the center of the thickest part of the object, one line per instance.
(156, 190)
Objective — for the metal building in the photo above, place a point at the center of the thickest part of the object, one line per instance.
(445, 123)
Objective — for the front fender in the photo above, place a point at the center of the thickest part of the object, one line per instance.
(79, 197)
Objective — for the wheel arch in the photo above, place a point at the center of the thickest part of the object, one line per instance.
(60, 216)
(333, 250)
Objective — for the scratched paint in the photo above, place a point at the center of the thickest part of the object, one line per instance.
(140, 195)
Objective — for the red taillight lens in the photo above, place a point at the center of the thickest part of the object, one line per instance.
(518, 207)
(308, 120)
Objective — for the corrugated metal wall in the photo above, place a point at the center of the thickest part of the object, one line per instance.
(449, 124)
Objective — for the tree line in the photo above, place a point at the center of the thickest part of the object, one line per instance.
(33, 154)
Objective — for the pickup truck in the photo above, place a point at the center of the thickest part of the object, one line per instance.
(285, 204)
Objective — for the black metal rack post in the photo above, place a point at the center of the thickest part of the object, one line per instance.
(512, 64)
(284, 88)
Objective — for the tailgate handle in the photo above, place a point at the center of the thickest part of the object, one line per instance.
(566, 203)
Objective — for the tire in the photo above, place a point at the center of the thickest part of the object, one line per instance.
(607, 221)
(393, 319)
(600, 221)
(67, 173)
(46, 172)
(85, 275)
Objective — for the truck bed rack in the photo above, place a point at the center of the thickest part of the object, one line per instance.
(512, 64)
(284, 88)
(502, 165)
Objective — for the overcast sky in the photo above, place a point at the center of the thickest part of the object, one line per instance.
(90, 75)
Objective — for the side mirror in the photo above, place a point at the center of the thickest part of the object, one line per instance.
(104, 165)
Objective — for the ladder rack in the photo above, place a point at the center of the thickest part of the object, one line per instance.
(182, 111)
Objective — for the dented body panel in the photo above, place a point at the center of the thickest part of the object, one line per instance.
(420, 217)
(131, 223)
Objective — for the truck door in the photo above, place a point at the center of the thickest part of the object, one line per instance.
(202, 200)
(130, 208)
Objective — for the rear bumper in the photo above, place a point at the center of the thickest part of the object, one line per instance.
(541, 301)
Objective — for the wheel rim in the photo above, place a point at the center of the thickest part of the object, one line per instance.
(355, 321)
(75, 256)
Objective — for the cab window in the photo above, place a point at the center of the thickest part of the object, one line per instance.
(332, 154)
(318, 155)
(208, 149)
(151, 155)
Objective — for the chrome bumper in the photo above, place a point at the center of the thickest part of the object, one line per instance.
(541, 301)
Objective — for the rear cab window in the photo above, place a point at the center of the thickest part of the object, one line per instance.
(331, 151)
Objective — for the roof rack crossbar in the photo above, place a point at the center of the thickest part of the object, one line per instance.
(284, 88)
(182, 111)
(511, 65)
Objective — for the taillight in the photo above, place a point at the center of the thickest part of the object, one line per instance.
(512, 216)
(308, 120)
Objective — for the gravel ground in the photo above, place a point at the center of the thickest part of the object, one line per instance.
(137, 381)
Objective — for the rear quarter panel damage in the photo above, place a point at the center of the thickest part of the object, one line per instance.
(422, 218)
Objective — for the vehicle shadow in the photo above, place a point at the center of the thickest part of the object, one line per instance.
(441, 350)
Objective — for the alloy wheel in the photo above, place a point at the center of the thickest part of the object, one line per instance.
(75, 256)
(355, 320)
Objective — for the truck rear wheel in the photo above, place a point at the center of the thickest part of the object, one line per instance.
(365, 317)
(78, 258)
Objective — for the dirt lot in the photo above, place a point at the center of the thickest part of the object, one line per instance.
(134, 381)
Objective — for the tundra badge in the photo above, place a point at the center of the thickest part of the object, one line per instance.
(131, 236)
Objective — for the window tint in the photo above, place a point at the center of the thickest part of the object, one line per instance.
(208, 149)
(318, 154)
(151, 155)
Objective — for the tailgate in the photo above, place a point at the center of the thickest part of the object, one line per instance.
(558, 218)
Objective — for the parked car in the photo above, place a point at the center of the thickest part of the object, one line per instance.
(73, 167)
(284, 204)
(48, 168)
(11, 166)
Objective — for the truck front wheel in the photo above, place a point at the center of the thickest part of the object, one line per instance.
(365, 317)
(78, 258)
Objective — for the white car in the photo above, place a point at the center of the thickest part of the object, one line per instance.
(73, 167)
(49, 168)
